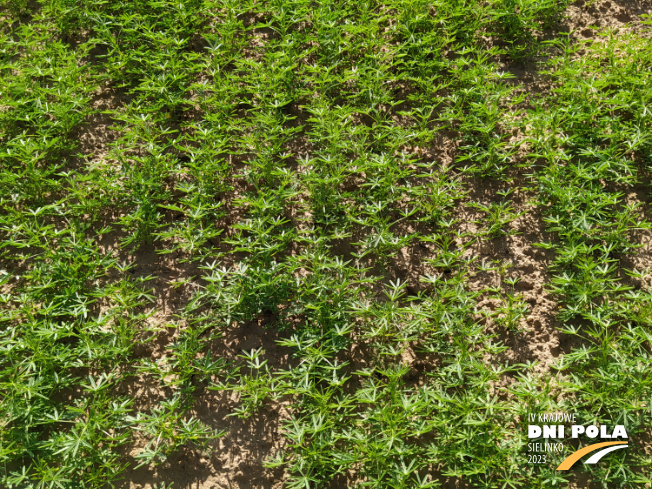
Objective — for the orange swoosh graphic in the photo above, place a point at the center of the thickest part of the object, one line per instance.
(574, 457)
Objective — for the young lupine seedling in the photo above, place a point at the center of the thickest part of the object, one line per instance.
(497, 218)
(169, 430)
(254, 387)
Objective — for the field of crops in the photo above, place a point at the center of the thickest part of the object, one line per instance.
(317, 245)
